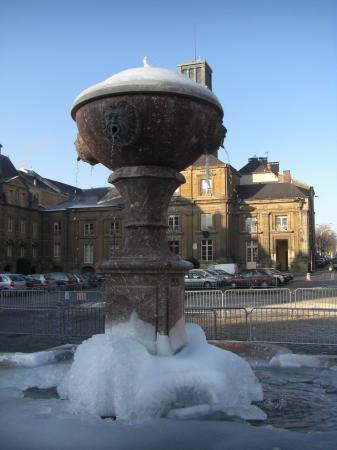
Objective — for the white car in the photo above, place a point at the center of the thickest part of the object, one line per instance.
(12, 281)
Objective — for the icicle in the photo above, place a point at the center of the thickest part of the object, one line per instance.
(208, 180)
(77, 172)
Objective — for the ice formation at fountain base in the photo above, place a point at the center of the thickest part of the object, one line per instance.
(113, 374)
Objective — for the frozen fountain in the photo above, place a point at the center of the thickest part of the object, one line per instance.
(147, 124)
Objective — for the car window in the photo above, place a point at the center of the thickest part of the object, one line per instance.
(246, 274)
(17, 278)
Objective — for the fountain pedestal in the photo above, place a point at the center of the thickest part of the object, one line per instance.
(147, 278)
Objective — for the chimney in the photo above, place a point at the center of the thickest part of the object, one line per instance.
(286, 176)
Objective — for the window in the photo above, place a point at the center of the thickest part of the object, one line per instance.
(88, 253)
(35, 229)
(251, 225)
(174, 247)
(57, 227)
(88, 229)
(281, 223)
(9, 250)
(206, 187)
(207, 250)
(57, 250)
(113, 249)
(23, 199)
(206, 221)
(114, 228)
(251, 251)
(10, 224)
(11, 196)
(22, 252)
(22, 226)
(17, 197)
(173, 223)
(34, 252)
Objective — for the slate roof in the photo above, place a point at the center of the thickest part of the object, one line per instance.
(213, 161)
(35, 180)
(265, 191)
(91, 198)
(8, 170)
(259, 165)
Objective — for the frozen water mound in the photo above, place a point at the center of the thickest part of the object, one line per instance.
(114, 374)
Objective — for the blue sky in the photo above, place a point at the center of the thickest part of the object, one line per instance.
(274, 71)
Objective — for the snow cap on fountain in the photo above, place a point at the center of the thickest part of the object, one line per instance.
(148, 80)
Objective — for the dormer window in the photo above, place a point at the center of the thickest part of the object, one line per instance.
(206, 186)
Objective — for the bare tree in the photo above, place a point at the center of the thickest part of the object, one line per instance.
(326, 239)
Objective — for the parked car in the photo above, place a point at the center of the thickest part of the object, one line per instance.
(47, 281)
(90, 280)
(288, 276)
(278, 276)
(64, 280)
(225, 276)
(198, 280)
(207, 274)
(252, 278)
(11, 281)
(32, 282)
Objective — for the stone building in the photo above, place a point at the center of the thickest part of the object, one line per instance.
(24, 195)
(254, 216)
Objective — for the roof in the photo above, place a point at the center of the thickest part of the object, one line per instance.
(65, 188)
(8, 169)
(36, 180)
(258, 164)
(213, 161)
(265, 191)
(91, 198)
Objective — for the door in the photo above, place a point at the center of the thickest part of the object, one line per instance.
(251, 254)
(282, 254)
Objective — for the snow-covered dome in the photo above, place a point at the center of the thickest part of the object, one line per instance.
(146, 79)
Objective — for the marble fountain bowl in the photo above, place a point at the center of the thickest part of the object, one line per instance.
(147, 116)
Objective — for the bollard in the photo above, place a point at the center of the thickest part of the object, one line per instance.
(308, 276)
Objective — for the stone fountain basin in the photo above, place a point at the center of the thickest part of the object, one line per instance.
(136, 129)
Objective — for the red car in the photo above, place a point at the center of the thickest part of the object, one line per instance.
(252, 278)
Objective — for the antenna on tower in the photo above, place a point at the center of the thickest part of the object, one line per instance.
(195, 42)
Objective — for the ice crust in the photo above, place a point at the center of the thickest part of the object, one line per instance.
(114, 374)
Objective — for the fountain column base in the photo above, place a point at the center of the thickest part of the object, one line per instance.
(147, 279)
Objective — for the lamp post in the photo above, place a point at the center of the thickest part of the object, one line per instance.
(257, 242)
(114, 234)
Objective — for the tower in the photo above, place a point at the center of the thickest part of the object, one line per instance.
(199, 71)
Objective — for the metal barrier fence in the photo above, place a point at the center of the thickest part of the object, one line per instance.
(305, 315)
(243, 298)
(44, 299)
(204, 299)
(67, 315)
(265, 324)
(317, 297)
